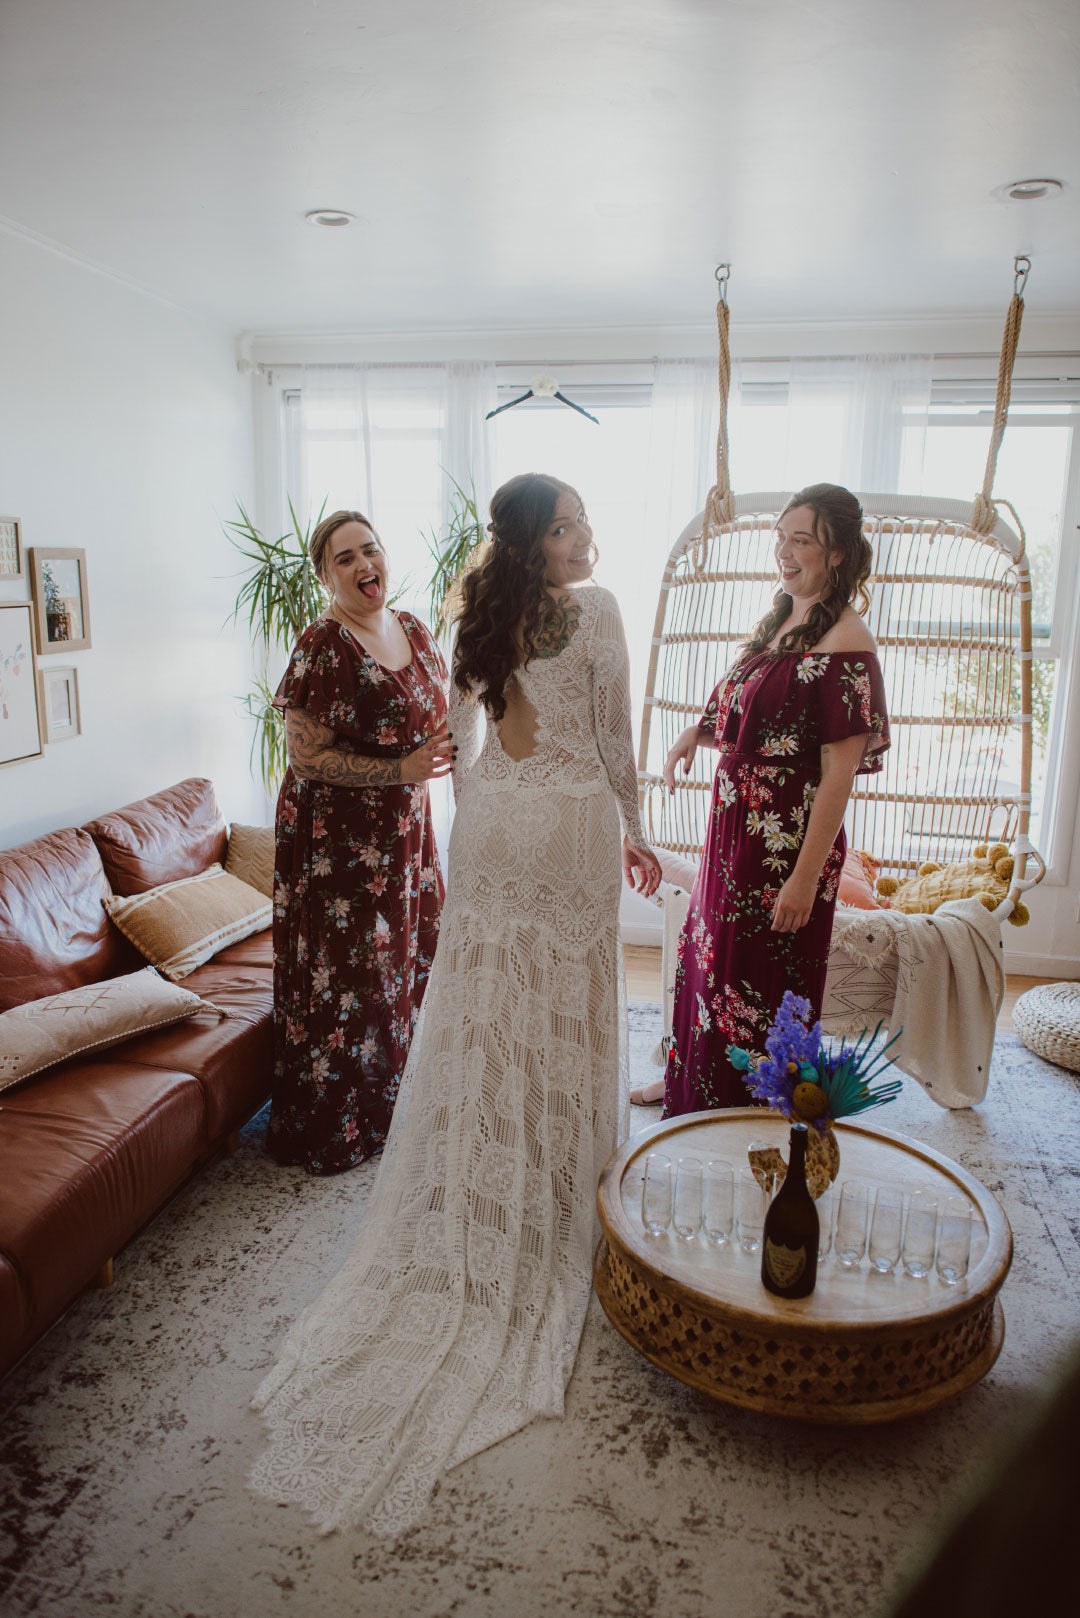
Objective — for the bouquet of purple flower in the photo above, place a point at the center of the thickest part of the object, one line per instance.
(802, 1079)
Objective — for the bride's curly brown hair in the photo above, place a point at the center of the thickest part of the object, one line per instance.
(501, 601)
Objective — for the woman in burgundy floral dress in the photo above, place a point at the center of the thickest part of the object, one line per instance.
(801, 713)
(357, 885)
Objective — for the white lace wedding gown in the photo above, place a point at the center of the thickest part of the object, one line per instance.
(457, 1316)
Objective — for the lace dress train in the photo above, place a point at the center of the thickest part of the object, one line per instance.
(457, 1316)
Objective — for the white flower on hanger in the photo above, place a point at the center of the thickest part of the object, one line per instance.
(544, 387)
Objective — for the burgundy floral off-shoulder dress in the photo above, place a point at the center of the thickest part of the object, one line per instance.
(769, 718)
(357, 896)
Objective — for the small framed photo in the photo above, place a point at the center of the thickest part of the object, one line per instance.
(60, 703)
(20, 713)
(58, 576)
(11, 559)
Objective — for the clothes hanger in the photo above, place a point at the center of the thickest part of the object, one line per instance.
(541, 387)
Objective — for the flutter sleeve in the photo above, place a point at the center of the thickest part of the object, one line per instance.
(611, 712)
(318, 680)
(851, 699)
(710, 714)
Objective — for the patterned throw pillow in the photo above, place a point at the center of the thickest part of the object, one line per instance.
(181, 924)
(41, 1033)
(251, 856)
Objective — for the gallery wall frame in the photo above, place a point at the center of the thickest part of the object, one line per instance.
(11, 551)
(61, 598)
(58, 688)
(21, 730)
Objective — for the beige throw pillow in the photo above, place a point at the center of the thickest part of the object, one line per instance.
(43, 1032)
(181, 924)
(251, 856)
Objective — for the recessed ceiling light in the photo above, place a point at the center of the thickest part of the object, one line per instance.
(333, 218)
(1027, 190)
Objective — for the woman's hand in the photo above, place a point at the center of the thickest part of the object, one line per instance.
(794, 903)
(434, 759)
(685, 748)
(641, 868)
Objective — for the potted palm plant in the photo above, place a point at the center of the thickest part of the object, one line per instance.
(280, 594)
(453, 550)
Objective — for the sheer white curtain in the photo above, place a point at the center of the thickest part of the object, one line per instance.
(856, 420)
(683, 420)
(470, 438)
(389, 440)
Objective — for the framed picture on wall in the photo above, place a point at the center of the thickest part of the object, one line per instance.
(20, 714)
(59, 703)
(58, 575)
(11, 563)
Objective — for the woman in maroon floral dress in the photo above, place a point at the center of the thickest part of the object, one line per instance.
(800, 714)
(357, 885)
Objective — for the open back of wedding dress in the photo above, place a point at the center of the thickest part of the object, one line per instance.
(457, 1316)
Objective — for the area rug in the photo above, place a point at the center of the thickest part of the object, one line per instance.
(126, 1436)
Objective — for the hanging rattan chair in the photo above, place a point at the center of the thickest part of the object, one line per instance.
(951, 613)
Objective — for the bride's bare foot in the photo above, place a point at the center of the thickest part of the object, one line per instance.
(649, 1096)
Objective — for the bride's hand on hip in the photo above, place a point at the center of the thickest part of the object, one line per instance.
(686, 746)
(641, 868)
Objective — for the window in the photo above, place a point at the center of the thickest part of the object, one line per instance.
(1033, 474)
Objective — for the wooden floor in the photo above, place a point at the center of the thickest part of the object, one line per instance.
(643, 981)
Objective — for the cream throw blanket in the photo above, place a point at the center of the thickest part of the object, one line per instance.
(938, 979)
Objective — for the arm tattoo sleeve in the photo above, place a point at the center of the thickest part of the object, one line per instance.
(314, 757)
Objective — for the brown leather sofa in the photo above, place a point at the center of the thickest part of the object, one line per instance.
(92, 1149)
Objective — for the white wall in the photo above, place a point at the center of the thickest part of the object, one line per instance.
(125, 429)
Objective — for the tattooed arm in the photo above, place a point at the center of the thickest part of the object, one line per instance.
(314, 757)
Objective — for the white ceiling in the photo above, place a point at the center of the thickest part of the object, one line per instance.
(555, 164)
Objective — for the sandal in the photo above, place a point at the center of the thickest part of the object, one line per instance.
(650, 1095)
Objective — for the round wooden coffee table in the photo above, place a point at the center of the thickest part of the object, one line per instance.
(864, 1347)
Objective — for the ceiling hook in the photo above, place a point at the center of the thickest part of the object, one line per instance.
(723, 276)
(1022, 267)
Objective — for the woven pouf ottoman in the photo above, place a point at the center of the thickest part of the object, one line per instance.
(1047, 1020)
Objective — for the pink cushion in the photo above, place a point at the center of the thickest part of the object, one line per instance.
(857, 881)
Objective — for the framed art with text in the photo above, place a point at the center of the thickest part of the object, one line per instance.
(20, 713)
(11, 562)
(58, 575)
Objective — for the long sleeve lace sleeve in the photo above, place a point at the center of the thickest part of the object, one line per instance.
(611, 713)
(466, 723)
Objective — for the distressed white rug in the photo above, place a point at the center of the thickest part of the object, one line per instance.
(125, 1436)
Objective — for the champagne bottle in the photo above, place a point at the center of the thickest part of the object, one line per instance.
(789, 1244)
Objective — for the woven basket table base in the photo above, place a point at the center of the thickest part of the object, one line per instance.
(704, 1317)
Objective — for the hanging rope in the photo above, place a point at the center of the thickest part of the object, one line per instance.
(984, 514)
(719, 502)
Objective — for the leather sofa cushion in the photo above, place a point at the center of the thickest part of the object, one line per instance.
(54, 933)
(175, 833)
(91, 1151)
(230, 1057)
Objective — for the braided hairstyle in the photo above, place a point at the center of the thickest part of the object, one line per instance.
(502, 601)
(838, 519)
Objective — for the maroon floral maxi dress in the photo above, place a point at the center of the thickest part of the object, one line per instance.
(357, 895)
(769, 718)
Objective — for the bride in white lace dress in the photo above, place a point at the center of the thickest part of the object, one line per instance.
(457, 1316)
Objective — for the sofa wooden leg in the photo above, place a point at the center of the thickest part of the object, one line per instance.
(104, 1277)
(232, 1143)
